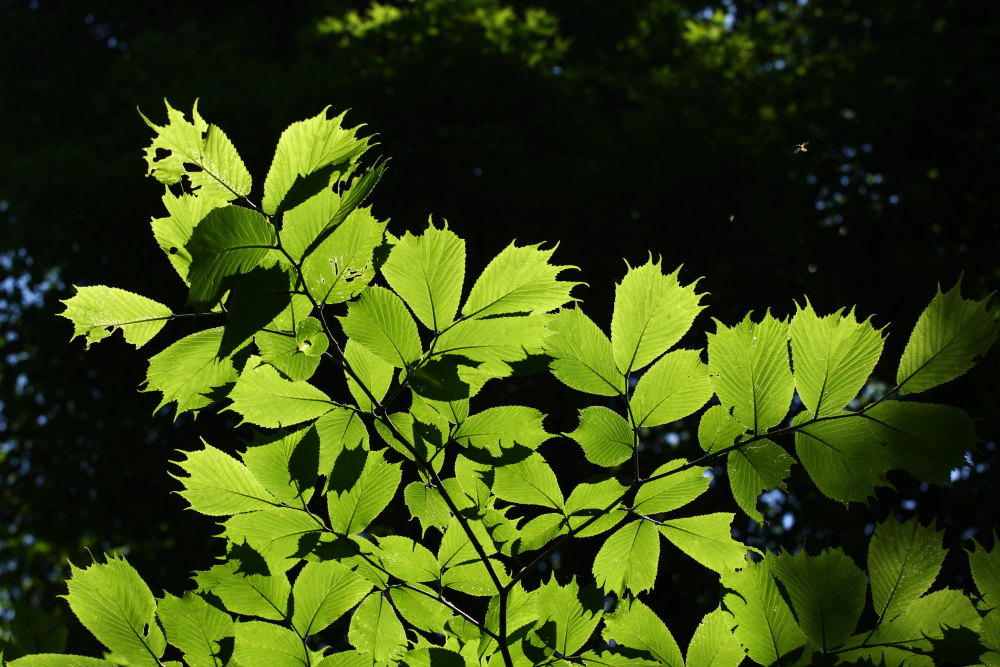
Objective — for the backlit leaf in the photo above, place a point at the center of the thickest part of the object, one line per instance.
(713, 643)
(518, 280)
(707, 539)
(675, 386)
(671, 491)
(380, 321)
(97, 311)
(407, 560)
(195, 627)
(264, 398)
(985, 566)
(374, 373)
(426, 506)
(173, 232)
(360, 486)
(297, 354)
(581, 355)
(260, 643)
(217, 484)
(342, 264)
(189, 370)
(605, 437)
(529, 481)
(262, 595)
(280, 535)
(629, 559)
(420, 610)
(903, 562)
(652, 312)
(569, 615)
(764, 623)
(323, 592)
(502, 427)
(754, 468)
(636, 626)
(845, 460)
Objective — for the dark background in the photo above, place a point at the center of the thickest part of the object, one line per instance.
(616, 129)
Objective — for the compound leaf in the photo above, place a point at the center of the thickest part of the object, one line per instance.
(518, 280)
(323, 592)
(581, 355)
(750, 371)
(652, 312)
(675, 386)
(97, 311)
(115, 604)
(427, 271)
(903, 562)
(949, 336)
(380, 321)
(833, 357)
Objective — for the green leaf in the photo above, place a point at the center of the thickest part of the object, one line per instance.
(305, 148)
(950, 335)
(338, 429)
(628, 559)
(827, 591)
(218, 170)
(189, 370)
(754, 468)
(376, 630)
(569, 615)
(985, 566)
(245, 593)
(456, 548)
(495, 429)
(218, 485)
(474, 479)
(924, 621)
(676, 385)
(380, 321)
(375, 374)
(474, 579)
(530, 481)
(843, 457)
(342, 264)
(115, 604)
(494, 343)
(713, 643)
(652, 312)
(926, 440)
(672, 491)
(422, 611)
(264, 398)
(230, 241)
(707, 539)
(833, 357)
(255, 300)
(764, 623)
(426, 506)
(636, 626)
(297, 354)
(432, 656)
(281, 535)
(173, 232)
(518, 280)
(718, 430)
(97, 311)
(541, 530)
(427, 271)
(903, 562)
(57, 660)
(591, 499)
(606, 438)
(582, 355)
(323, 593)
(361, 485)
(195, 627)
(750, 371)
(407, 560)
(260, 643)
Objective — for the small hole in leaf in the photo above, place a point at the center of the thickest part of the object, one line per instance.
(192, 168)
(160, 154)
(172, 251)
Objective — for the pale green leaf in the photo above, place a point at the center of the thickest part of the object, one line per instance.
(57, 660)
(845, 460)
(530, 481)
(422, 610)
(426, 506)
(750, 371)
(926, 440)
(380, 321)
(375, 375)
(297, 354)
(903, 561)
(833, 357)
(764, 623)
(293, 317)
(474, 479)
(231, 240)
(407, 560)
(420, 440)
(581, 355)
(673, 490)
(217, 484)
(606, 438)
(173, 232)
(217, 169)
(628, 559)
(474, 578)
(247, 594)
(260, 643)
(286, 464)
(115, 604)
(614, 658)
(636, 626)
(985, 566)
(342, 264)
(926, 619)
(317, 144)
(827, 591)
(707, 539)
(255, 300)
(281, 535)
(345, 659)
(492, 344)
(195, 627)
(569, 614)
(323, 592)
(652, 312)
(713, 643)
(593, 498)
(338, 429)
(950, 335)
(360, 486)
(264, 398)
(756, 467)
(502, 427)
(97, 311)
(376, 630)
(456, 548)
(189, 370)
(518, 280)
(675, 386)
(427, 271)
(718, 430)
(541, 530)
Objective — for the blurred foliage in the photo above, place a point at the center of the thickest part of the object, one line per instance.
(674, 120)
